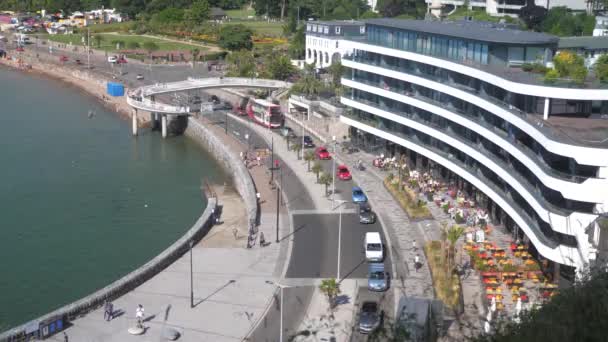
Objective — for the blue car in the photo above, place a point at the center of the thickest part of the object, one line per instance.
(358, 195)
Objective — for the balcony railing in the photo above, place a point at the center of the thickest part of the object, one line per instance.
(550, 241)
(533, 190)
(515, 143)
(555, 133)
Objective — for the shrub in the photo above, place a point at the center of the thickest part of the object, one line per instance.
(551, 76)
(527, 67)
(213, 56)
(446, 207)
(601, 68)
(459, 219)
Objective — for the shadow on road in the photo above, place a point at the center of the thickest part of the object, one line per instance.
(232, 281)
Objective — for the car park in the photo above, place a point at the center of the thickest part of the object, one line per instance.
(366, 214)
(343, 173)
(374, 252)
(322, 153)
(308, 142)
(377, 277)
(369, 317)
(358, 195)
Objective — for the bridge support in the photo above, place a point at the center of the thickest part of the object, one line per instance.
(155, 121)
(134, 121)
(164, 124)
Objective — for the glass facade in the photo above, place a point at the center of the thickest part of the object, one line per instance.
(432, 45)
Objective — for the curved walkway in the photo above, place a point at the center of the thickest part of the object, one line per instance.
(139, 97)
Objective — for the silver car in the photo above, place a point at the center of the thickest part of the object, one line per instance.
(378, 278)
(369, 318)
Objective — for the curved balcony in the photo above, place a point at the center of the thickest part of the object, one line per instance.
(562, 220)
(553, 139)
(572, 187)
(548, 247)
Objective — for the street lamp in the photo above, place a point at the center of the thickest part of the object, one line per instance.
(333, 173)
(191, 277)
(281, 286)
(278, 196)
(342, 202)
(301, 122)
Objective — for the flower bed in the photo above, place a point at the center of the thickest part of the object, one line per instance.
(415, 208)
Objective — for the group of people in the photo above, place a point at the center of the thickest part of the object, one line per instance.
(246, 159)
(108, 313)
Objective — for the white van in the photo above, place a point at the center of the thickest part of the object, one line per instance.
(373, 247)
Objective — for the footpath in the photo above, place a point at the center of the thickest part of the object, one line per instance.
(231, 293)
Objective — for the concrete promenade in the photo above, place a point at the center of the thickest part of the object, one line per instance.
(230, 290)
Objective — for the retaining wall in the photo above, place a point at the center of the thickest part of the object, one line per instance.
(230, 162)
(130, 281)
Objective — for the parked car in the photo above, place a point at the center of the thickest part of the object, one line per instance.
(112, 59)
(358, 195)
(78, 61)
(121, 60)
(374, 251)
(377, 277)
(322, 153)
(369, 317)
(343, 173)
(366, 214)
(215, 99)
(308, 142)
(139, 77)
(20, 49)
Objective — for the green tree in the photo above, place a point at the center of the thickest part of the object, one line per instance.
(453, 234)
(129, 7)
(98, 39)
(533, 15)
(235, 37)
(601, 68)
(325, 179)
(336, 70)
(297, 44)
(241, 64)
(331, 289)
(168, 16)
(308, 85)
(560, 21)
(280, 67)
(150, 47)
(308, 157)
(133, 45)
(369, 15)
(195, 52)
(570, 65)
(198, 12)
(317, 168)
(578, 313)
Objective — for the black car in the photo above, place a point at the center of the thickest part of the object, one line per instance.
(369, 318)
(366, 214)
(308, 141)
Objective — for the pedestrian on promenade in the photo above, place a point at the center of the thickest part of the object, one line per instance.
(106, 311)
(258, 196)
(259, 159)
(262, 240)
(139, 315)
(417, 262)
(414, 246)
(65, 337)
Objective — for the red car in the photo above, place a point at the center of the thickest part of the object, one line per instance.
(20, 49)
(63, 59)
(343, 173)
(322, 153)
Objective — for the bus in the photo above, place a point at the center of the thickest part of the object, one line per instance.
(265, 113)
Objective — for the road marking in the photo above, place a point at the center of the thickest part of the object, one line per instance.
(322, 212)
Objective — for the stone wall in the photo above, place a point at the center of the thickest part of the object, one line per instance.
(125, 284)
(230, 162)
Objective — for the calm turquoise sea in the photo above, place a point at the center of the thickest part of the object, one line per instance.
(82, 202)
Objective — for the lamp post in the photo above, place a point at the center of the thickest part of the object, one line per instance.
(333, 172)
(278, 196)
(342, 202)
(302, 122)
(281, 287)
(271, 159)
(191, 277)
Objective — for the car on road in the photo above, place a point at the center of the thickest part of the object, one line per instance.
(343, 173)
(366, 214)
(121, 60)
(369, 317)
(222, 106)
(112, 59)
(377, 277)
(358, 195)
(139, 77)
(322, 153)
(308, 142)
(287, 132)
(374, 252)
(196, 99)
(63, 58)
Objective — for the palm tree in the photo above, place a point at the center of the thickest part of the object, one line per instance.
(453, 234)
(195, 52)
(325, 180)
(316, 168)
(309, 156)
(331, 289)
(308, 85)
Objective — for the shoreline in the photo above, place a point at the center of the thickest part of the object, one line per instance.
(88, 83)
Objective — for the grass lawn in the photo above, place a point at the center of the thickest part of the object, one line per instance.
(240, 13)
(113, 27)
(261, 27)
(106, 43)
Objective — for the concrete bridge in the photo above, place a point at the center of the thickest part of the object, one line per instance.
(143, 98)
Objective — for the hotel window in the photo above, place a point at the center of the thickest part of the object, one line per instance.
(326, 29)
(308, 27)
(337, 29)
(362, 29)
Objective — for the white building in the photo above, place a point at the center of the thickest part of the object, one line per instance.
(507, 7)
(453, 98)
(323, 40)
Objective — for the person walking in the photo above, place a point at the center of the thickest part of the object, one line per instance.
(414, 245)
(106, 311)
(417, 262)
(139, 315)
(65, 337)
(110, 308)
(262, 240)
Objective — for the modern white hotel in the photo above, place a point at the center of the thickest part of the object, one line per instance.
(453, 97)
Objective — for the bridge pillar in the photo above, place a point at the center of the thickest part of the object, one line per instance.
(155, 121)
(134, 121)
(164, 124)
